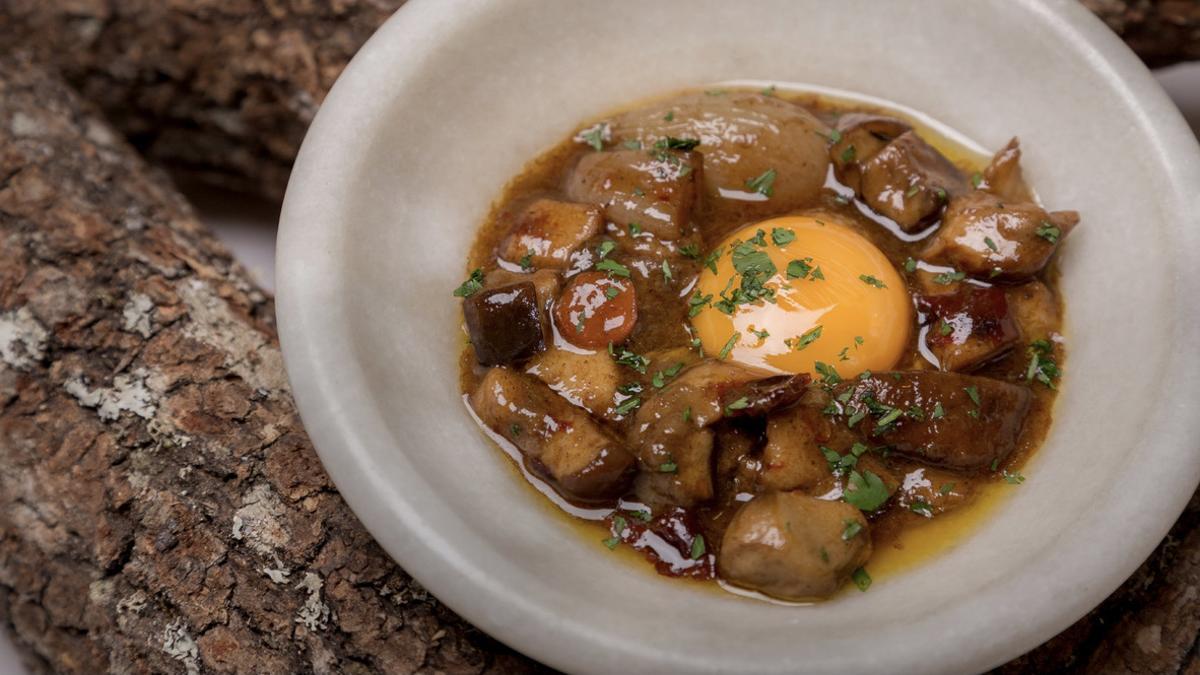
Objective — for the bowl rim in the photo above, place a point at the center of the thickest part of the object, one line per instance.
(425, 553)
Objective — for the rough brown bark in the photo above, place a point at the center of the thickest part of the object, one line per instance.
(161, 509)
(222, 90)
(217, 90)
(1162, 32)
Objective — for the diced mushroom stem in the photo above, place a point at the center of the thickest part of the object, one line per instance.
(793, 547)
(548, 231)
(578, 456)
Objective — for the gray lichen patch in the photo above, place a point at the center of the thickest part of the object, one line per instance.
(179, 645)
(22, 338)
(129, 393)
(138, 315)
(314, 615)
(259, 521)
(249, 353)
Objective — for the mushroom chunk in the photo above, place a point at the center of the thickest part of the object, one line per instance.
(505, 323)
(968, 327)
(1003, 176)
(762, 155)
(909, 181)
(860, 137)
(990, 238)
(792, 457)
(654, 189)
(792, 546)
(560, 442)
(548, 231)
(956, 421)
(1035, 310)
(588, 380)
(671, 433)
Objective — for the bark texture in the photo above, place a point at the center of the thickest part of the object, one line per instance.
(217, 90)
(222, 90)
(161, 509)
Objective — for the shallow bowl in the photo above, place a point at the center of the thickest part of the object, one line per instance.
(450, 98)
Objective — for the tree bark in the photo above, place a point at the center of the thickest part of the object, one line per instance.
(223, 90)
(161, 509)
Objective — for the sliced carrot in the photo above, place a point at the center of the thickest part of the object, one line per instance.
(595, 309)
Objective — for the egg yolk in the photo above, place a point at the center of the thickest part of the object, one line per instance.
(794, 291)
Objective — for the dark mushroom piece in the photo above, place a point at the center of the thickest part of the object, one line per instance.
(968, 327)
(952, 420)
(505, 324)
(860, 137)
(579, 457)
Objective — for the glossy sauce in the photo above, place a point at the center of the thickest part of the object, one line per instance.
(901, 537)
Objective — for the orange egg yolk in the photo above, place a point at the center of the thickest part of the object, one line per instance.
(792, 292)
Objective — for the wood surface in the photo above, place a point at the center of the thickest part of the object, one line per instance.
(161, 509)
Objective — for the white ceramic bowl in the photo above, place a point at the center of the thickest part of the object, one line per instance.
(448, 101)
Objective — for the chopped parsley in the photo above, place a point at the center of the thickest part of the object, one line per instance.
(865, 491)
(976, 179)
(912, 191)
(938, 411)
(817, 274)
(1042, 366)
(910, 265)
(973, 392)
(890, 416)
(613, 268)
(698, 547)
(828, 373)
(861, 579)
(763, 183)
(711, 260)
(668, 466)
(851, 530)
(760, 334)
(740, 404)
(921, 509)
(672, 143)
(810, 336)
(698, 302)
(611, 292)
(769, 91)
(945, 328)
(733, 339)
(635, 229)
(605, 248)
(595, 136)
(669, 116)
(526, 261)
(871, 281)
(844, 354)
(628, 405)
(632, 144)
(798, 269)
(624, 357)
(947, 278)
(471, 286)
(611, 542)
(1014, 478)
(690, 251)
(946, 488)
(991, 244)
(514, 429)
(1049, 232)
(783, 235)
(666, 270)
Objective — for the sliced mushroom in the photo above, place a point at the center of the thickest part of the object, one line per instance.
(860, 137)
(578, 456)
(549, 231)
(990, 238)
(1003, 177)
(671, 433)
(956, 421)
(792, 546)
(909, 181)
